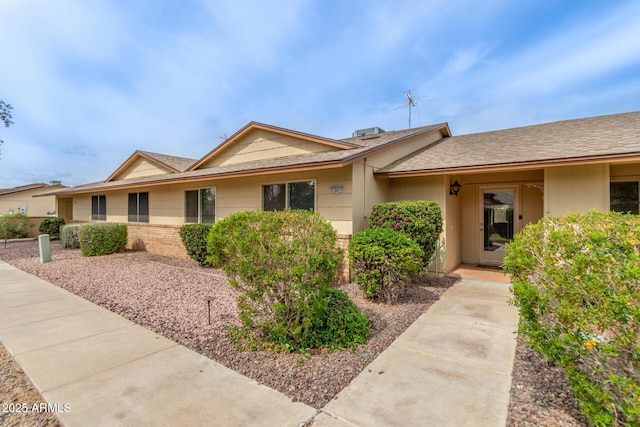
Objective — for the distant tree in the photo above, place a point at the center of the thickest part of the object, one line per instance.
(5, 115)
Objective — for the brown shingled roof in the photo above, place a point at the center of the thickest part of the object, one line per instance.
(593, 138)
(362, 145)
(27, 187)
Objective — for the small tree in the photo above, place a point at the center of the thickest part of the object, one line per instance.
(5, 115)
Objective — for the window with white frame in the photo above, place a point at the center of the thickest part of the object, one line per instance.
(200, 206)
(623, 197)
(292, 195)
(99, 208)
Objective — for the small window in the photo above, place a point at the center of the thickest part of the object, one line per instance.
(293, 195)
(138, 207)
(200, 206)
(99, 208)
(624, 197)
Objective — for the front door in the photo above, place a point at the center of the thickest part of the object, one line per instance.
(497, 226)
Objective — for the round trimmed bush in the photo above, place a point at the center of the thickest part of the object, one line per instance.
(576, 281)
(51, 226)
(194, 239)
(383, 261)
(69, 236)
(102, 239)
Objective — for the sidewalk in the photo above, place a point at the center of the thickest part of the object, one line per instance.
(451, 367)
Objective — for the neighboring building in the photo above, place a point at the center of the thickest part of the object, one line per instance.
(24, 199)
(506, 178)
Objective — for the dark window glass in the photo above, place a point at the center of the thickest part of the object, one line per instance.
(138, 207)
(302, 195)
(274, 197)
(208, 205)
(99, 208)
(191, 206)
(143, 207)
(624, 197)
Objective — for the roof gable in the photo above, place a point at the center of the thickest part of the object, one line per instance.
(257, 141)
(145, 163)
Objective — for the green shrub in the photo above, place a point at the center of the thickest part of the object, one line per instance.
(69, 236)
(282, 263)
(382, 262)
(421, 220)
(102, 239)
(15, 226)
(194, 238)
(51, 226)
(576, 281)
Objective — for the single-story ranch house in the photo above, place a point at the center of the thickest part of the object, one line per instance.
(489, 185)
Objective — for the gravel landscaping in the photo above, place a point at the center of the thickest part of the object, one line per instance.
(168, 296)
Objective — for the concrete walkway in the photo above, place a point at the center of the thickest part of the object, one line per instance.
(452, 367)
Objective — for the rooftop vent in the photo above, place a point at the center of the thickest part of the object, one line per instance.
(55, 182)
(368, 131)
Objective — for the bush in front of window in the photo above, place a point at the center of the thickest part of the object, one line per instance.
(15, 226)
(383, 261)
(102, 239)
(421, 220)
(51, 226)
(69, 236)
(576, 281)
(283, 263)
(194, 238)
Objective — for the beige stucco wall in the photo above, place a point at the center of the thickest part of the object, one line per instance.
(139, 168)
(166, 202)
(260, 145)
(35, 206)
(577, 188)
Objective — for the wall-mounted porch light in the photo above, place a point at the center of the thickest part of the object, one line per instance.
(337, 189)
(454, 189)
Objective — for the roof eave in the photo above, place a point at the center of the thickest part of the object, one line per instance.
(514, 166)
(136, 154)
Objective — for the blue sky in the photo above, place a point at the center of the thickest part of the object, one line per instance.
(91, 81)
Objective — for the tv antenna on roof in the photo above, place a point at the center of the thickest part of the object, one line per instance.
(412, 102)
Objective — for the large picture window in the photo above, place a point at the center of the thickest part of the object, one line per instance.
(200, 206)
(99, 208)
(624, 197)
(293, 195)
(138, 207)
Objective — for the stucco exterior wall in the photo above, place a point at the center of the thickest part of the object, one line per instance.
(577, 188)
(35, 206)
(166, 202)
(140, 168)
(260, 145)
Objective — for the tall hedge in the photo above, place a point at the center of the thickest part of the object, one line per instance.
(421, 220)
(194, 239)
(576, 281)
(102, 239)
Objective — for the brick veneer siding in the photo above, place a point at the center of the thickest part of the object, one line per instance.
(157, 239)
(344, 272)
(165, 240)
